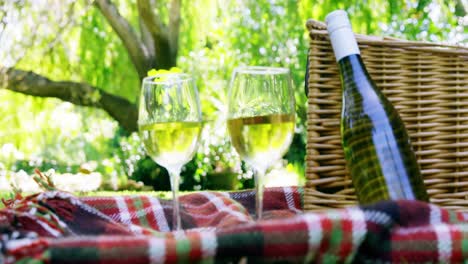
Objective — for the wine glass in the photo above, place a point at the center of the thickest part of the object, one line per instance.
(170, 125)
(261, 119)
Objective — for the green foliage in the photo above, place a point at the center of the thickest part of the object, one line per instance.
(151, 174)
(107, 63)
(51, 131)
(215, 37)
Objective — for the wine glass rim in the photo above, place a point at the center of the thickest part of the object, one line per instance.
(182, 77)
(261, 70)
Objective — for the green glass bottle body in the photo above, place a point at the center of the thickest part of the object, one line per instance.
(377, 148)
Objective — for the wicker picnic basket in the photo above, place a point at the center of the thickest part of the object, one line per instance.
(427, 83)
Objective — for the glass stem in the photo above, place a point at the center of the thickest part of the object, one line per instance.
(259, 184)
(175, 176)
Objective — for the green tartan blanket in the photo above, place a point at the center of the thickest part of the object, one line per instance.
(56, 227)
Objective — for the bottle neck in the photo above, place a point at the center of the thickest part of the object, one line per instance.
(343, 42)
(352, 69)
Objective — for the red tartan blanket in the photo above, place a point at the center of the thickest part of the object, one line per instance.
(56, 227)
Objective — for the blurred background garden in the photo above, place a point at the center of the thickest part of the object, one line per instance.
(70, 76)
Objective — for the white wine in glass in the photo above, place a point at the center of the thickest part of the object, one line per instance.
(170, 125)
(261, 119)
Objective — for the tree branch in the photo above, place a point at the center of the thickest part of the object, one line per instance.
(136, 49)
(164, 56)
(147, 39)
(153, 22)
(83, 94)
(174, 25)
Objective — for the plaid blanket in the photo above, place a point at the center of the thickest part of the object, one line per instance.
(57, 227)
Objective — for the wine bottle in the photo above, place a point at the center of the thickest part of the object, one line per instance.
(378, 151)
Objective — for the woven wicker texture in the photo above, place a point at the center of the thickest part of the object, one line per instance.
(427, 83)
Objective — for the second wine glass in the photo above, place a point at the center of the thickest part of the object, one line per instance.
(170, 125)
(261, 119)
